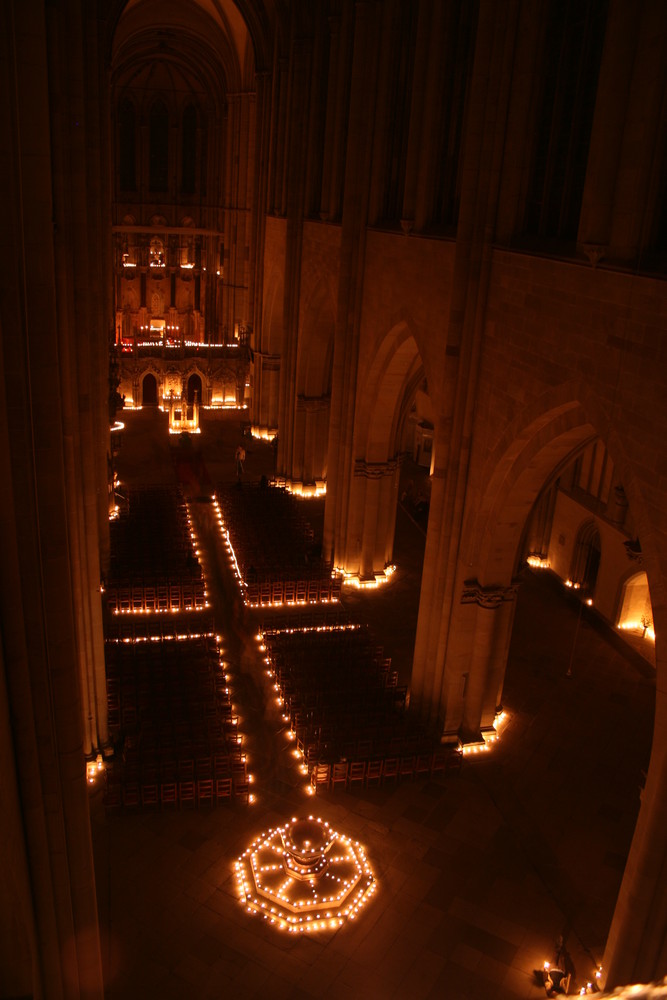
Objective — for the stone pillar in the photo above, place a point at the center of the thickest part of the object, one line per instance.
(375, 495)
(636, 950)
(353, 242)
(300, 83)
(49, 278)
(436, 642)
(493, 616)
(309, 459)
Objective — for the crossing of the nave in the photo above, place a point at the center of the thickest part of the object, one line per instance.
(333, 477)
(516, 856)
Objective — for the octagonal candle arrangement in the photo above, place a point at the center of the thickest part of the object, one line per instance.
(305, 876)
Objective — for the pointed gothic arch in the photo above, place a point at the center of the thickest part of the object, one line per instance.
(586, 558)
(384, 400)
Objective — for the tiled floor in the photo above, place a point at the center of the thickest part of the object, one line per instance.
(478, 874)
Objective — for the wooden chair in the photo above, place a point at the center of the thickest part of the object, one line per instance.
(423, 765)
(407, 767)
(439, 761)
(168, 793)
(113, 795)
(339, 774)
(356, 772)
(320, 776)
(389, 769)
(149, 795)
(203, 767)
(131, 796)
(242, 788)
(186, 792)
(204, 791)
(374, 771)
(454, 760)
(223, 788)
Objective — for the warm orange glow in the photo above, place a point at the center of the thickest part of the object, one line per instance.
(306, 490)
(94, 768)
(304, 876)
(537, 562)
(354, 580)
(263, 434)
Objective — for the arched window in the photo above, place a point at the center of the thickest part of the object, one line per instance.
(127, 147)
(189, 150)
(586, 558)
(159, 148)
(149, 390)
(636, 611)
(194, 388)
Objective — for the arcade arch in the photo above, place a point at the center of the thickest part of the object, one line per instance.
(149, 390)
(384, 402)
(194, 388)
(586, 559)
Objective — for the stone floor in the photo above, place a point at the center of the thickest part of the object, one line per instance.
(478, 874)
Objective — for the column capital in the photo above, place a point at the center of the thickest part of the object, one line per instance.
(490, 598)
(375, 470)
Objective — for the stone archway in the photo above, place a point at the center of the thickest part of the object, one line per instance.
(475, 620)
(149, 390)
(194, 388)
(383, 404)
(586, 559)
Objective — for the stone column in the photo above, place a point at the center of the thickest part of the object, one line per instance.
(346, 343)
(310, 440)
(48, 502)
(493, 616)
(609, 123)
(636, 949)
(375, 495)
(300, 83)
(480, 170)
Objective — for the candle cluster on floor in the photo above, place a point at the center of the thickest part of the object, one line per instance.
(305, 876)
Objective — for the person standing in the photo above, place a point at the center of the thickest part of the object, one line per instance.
(240, 459)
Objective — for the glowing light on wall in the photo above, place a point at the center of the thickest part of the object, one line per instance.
(354, 580)
(638, 627)
(489, 736)
(304, 876)
(218, 403)
(94, 768)
(263, 433)
(537, 562)
(305, 490)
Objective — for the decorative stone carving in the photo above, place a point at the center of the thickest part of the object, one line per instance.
(487, 597)
(594, 251)
(375, 470)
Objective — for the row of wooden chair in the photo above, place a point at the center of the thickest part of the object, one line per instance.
(380, 770)
(271, 537)
(131, 795)
(153, 531)
(293, 592)
(172, 597)
(137, 628)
